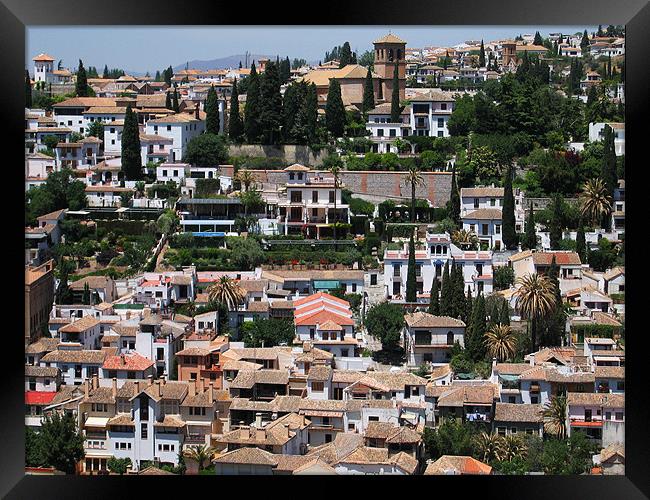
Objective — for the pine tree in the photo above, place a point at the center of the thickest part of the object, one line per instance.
(334, 110)
(270, 104)
(368, 94)
(131, 159)
(168, 100)
(394, 101)
(454, 199)
(105, 74)
(434, 301)
(530, 237)
(252, 110)
(235, 125)
(411, 286)
(445, 292)
(476, 346)
(504, 313)
(581, 245)
(212, 122)
(481, 56)
(509, 232)
(28, 90)
(81, 86)
(555, 225)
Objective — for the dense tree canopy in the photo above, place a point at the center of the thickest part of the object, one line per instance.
(206, 150)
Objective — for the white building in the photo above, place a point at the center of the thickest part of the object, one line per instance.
(181, 127)
(429, 338)
(597, 133)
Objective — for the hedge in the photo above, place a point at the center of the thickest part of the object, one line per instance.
(129, 227)
(594, 330)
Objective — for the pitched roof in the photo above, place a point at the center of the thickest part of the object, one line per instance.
(320, 373)
(85, 102)
(81, 325)
(252, 456)
(127, 362)
(422, 319)
(39, 397)
(512, 412)
(246, 379)
(611, 400)
(42, 57)
(41, 371)
(479, 192)
(389, 38)
(615, 372)
(93, 282)
(75, 356)
(611, 451)
(484, 214)
(323, 316)
(458, 464)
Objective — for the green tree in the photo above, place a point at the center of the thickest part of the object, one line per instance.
(452, 437)
(168, 100)
(453, 207)
(270, 105)
(476, 346)
(175, 104)
(384, 321)
(86, 295)
(584, 43)
(608, 169)
(581, 244)
(395, 107)
(530, 236)
(345, 55)
(96, 129)
(34, 452)
(509, 233)
(556, 323)
(28, 90)
(105, 73)
(458, 300)
(481, 56)
(411, 290)
(212, 112)
(81, 85)
(368, 94)
(206, 150)
(293, 100)
(504, 313)
(535, 300)
(434, 301)
(504, 276)
(463, 118)
(538, 39)
(267, 332)
(334, 110)
(235, 124)
(61, 190)
(285, 70)
(227, 291)
(118, 465)
(131, 154)
(252, 112)
(61, 442)
(556, 223)
(414, 178)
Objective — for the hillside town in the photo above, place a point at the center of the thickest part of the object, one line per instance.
(402, 261)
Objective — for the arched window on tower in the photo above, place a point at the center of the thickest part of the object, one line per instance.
(390, 55)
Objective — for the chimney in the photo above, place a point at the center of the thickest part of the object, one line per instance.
(95, 381)
(211, 393)
(114, 388)
(286, 426)
(149, 379)
(86, 387)
(123, 358)
(137, 386)
(193, 387)
(260, 434)
(258, 420)
(244, 432)
(163, 379)
(202, 385)
(159, 385)
(196, 111)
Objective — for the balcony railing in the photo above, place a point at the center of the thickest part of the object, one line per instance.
(195, 439)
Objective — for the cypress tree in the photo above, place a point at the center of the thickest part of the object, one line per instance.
(504, 313)
(453, 281)
(530, 237)
(608, 167)
(169, 73)
(468, 306)
(509, 232)
(368, 94)
(168, 100)
(292, 102)
(454, 199)
(131, 159)
(581, 244)
(212, 122)
(235, 125)
(434, 301)
(105, 74)
(346, 55)
(445, 292)
(538, 39)
(156, 78)
(555, 229)
(584, 43)
(394, 101)
(81, 86)
(252, 110)
(28, 90)
(481, 56)
(459, 300)
(285, 72)
(334, 110)
(63, 295)
(445, 61)
(556, 322)
(175, 105)
(86, 295)
(307, 117)
(476, 347)
(411, 287)
(270, 104)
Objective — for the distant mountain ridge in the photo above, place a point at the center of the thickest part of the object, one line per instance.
(222, 62)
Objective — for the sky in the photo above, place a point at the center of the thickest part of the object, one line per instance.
(143, 48)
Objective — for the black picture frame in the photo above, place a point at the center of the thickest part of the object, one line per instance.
(15, 15)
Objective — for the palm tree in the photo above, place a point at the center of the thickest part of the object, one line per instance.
(200, 453)
(226, 291)
(488, 446)
(465, 239)
(554, 413)
(335, 170)
(535, 299)
(595, 200)
(139, 189)
(246, 178)
(514, 447)
(501, 342)
(414, 178)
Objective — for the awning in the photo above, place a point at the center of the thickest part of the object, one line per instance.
(607, 358)
(412, 417)
(209, 234)
(96, 422)
(509, 378)
(327, 284)
(322, 413)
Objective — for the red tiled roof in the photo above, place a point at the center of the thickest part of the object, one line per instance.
(39, 397)
(127, 362)
(322, 317)
(320, 295)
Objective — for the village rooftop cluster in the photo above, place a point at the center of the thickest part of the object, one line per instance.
(405, 261)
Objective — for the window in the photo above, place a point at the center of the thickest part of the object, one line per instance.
(620, 385)
(492, 202)
(164, 173)
(331, 193)
(501, 431)
(373, 419)
(619, 415)
(328, 438)
(160, 354)
(32, 384)
(513, 430)
(317, 386)
(314, 196)
(484, 229)
(396, 271)
(169, 127)
(443, 106)
(312, 333)
(608, 415)
(450, 338)
(441, 133)
(441, 122)
(534, 400)
(143, 431)
(512, 399)
(476, 202)
(497, 229)
(380, 132)
(392, 132)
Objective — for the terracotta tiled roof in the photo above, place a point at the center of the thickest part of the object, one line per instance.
(74, 356)
(252, 456)
(458, 464)
(484, 214)
(596, 399)
(41, 371)
(320, 373)
(127, 362)
(246, 379)
(480, 192)
(425, 320)
(80, 325)
(323, 316)
(511, 412)
(614, 372)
